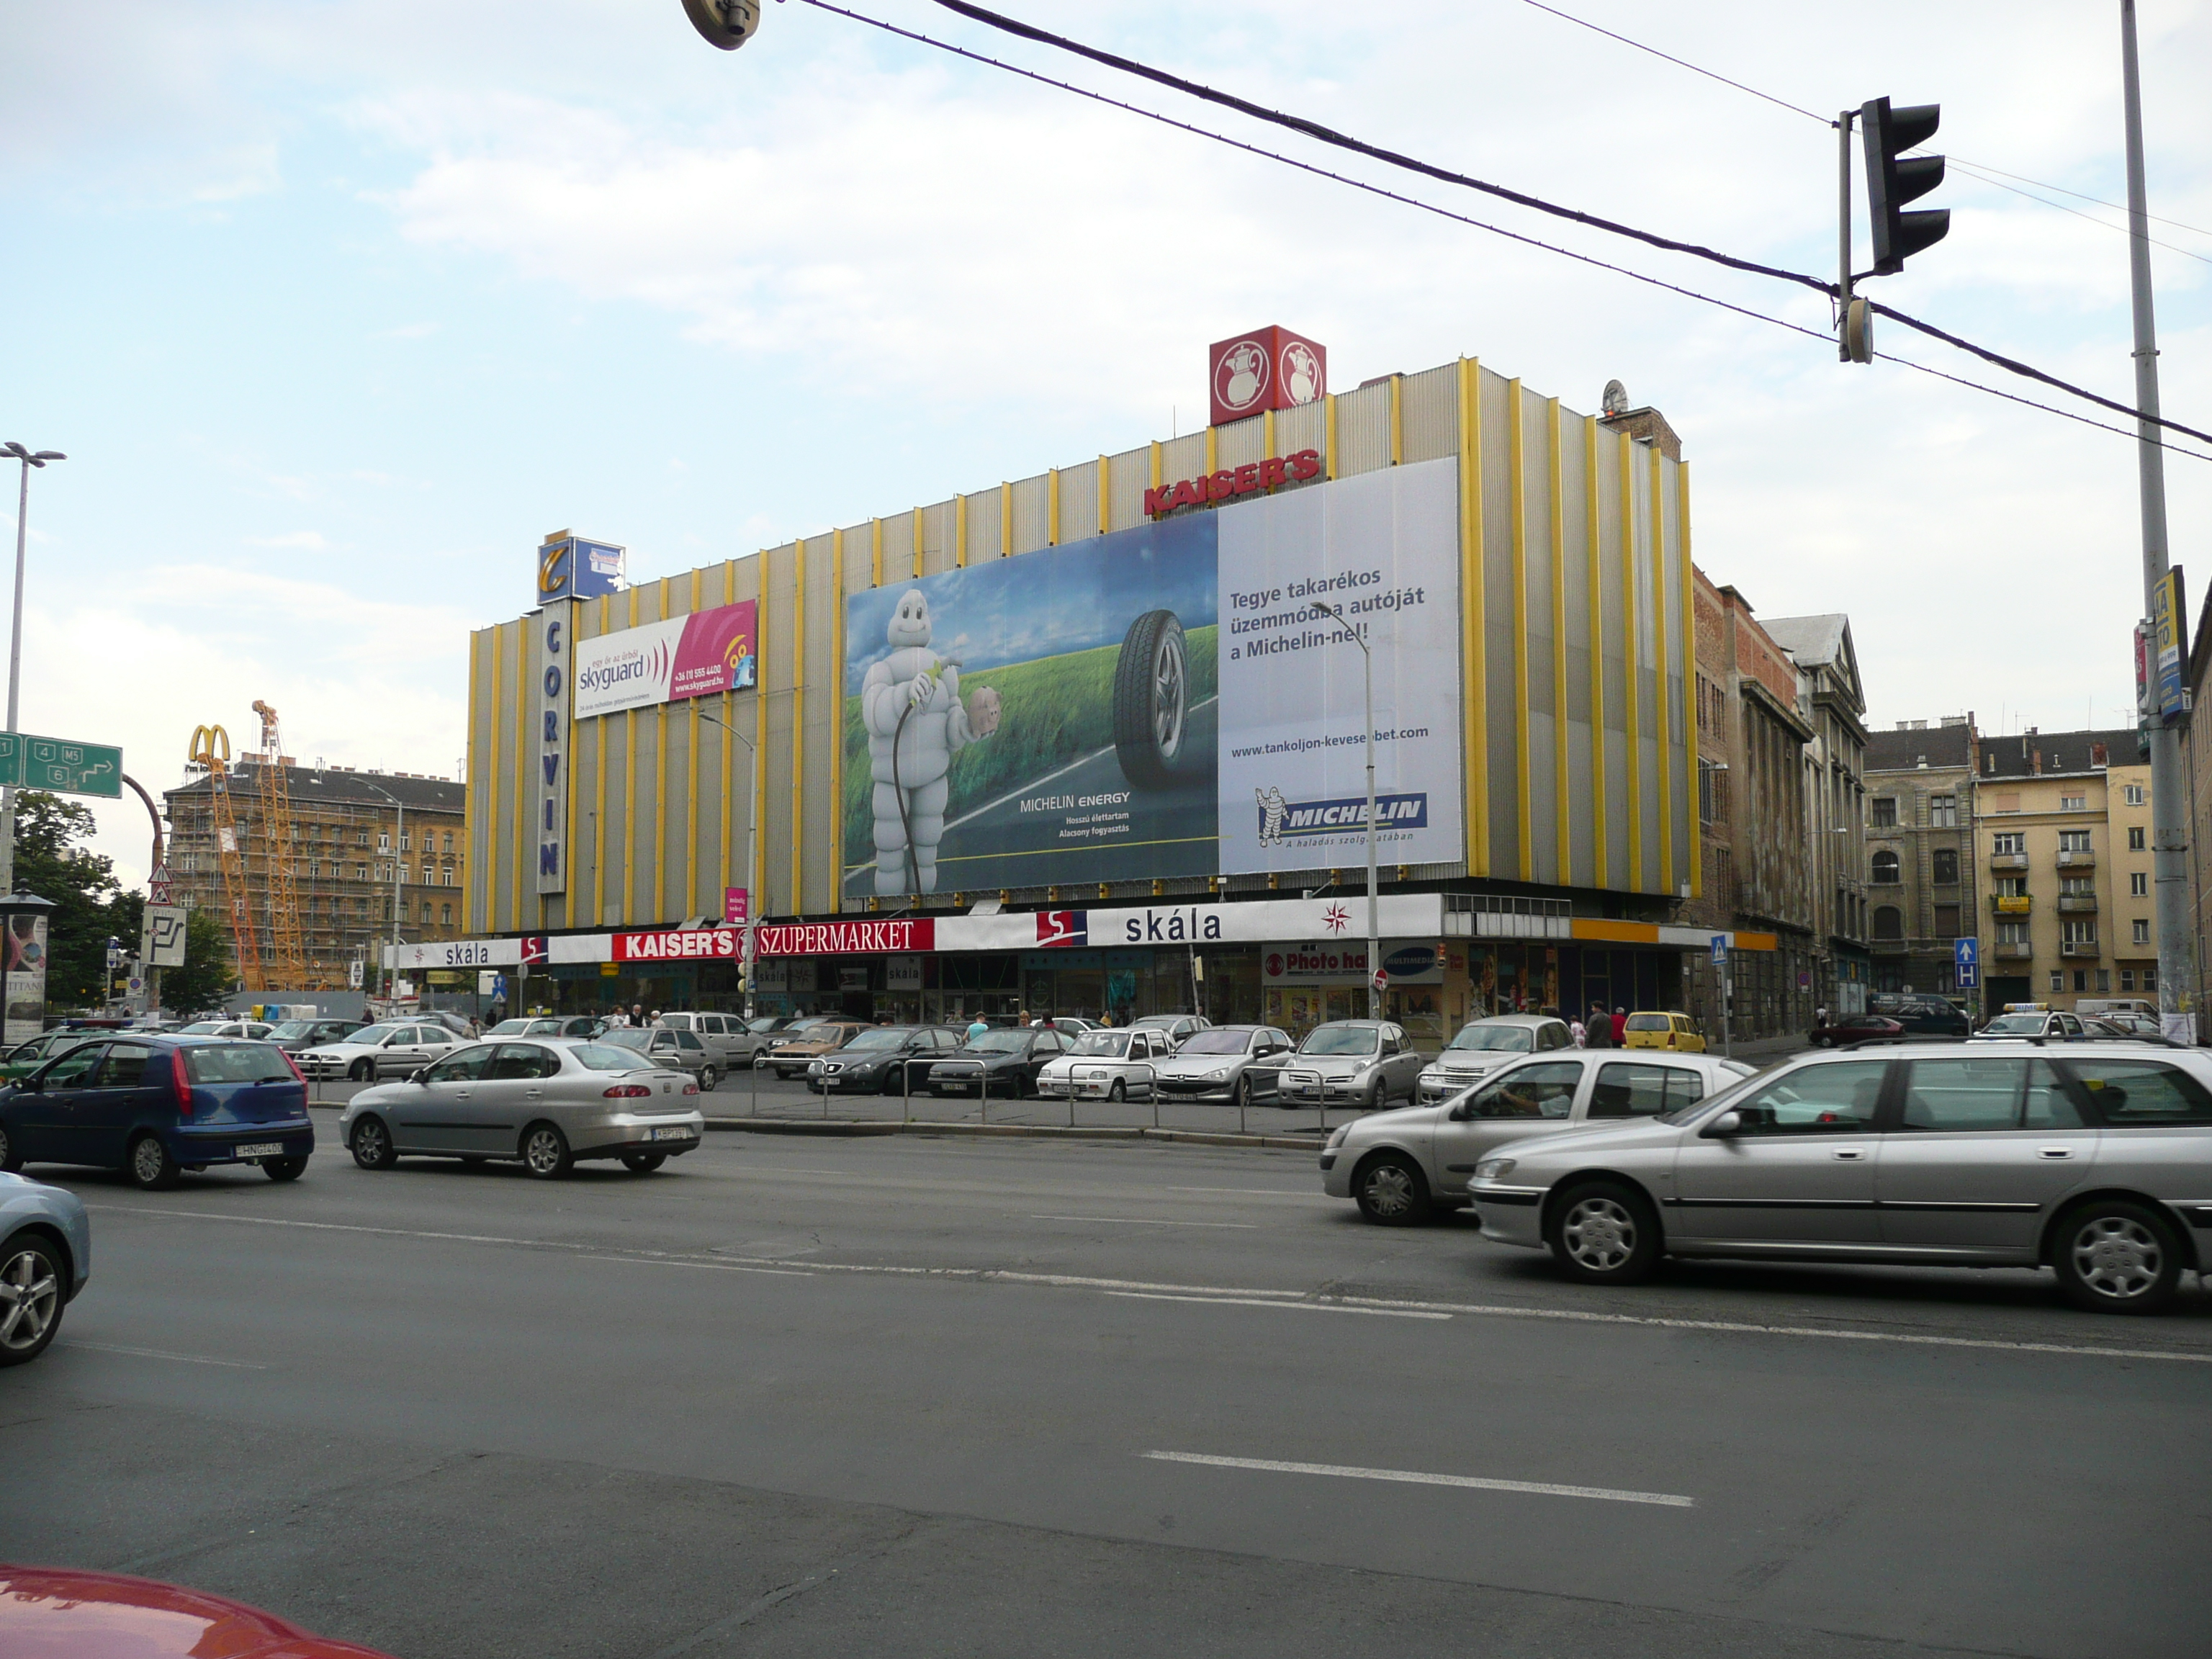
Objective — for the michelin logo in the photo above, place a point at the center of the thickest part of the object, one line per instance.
(1282, 820)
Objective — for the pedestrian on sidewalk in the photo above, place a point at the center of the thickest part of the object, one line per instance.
(1620, 1028)
(1581, 1034)
(1599, 1031)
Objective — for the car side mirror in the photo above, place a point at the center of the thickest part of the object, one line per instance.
(34, 1085)
(1726, 1124)
(420, 1074)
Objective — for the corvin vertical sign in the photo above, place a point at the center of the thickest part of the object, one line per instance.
(550, 777)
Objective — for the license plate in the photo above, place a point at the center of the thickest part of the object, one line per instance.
(261, 1149)
(680, 1133)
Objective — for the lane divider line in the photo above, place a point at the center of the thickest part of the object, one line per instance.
(1415, 1478)
(1071, 1281)
(157, 1353)
(707, 1266)
(1254, 1302)
(1148, 1221)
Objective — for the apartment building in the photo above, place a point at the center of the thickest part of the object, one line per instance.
(1832, 700)
(2062, 822)
(1923, 878)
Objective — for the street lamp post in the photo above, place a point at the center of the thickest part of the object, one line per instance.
(1374, 933)
(752, 829)
(398, 839)
(29, 459)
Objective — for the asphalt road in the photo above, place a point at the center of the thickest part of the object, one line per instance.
(941, 1397)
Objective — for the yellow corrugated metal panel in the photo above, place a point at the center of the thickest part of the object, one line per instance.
(1475, 731)
(1079, 502)
(1240, 443)
(798, 725)
(1032, 513)
(1182, 458)
(1631, 633)
(1689, 625)
(1130, 473)
(1305, 427)
(1518, 506)
(1663, 711)
(1362, 430)
(1555, 504)
(1428, 413)
(518, 872)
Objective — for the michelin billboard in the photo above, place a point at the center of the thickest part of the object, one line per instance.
(1163, 702)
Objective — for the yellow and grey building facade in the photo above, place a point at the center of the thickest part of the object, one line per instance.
(1577, 781)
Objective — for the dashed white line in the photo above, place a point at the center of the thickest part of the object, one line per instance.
(1147, 1221)
(157, 1353)
(1262, 1192)
(710, 1267)
(1255, 1302)
(1416, 1477)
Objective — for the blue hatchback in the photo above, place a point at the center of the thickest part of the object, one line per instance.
(155, 1106)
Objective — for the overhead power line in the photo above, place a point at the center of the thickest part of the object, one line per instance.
(1344, 141)
(919, 39)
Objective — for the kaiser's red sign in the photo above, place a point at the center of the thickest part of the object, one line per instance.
(1244, 480)
(835, 938)
(679, 944)
(1268, 368)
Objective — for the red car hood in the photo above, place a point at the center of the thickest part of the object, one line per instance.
(50, 1613)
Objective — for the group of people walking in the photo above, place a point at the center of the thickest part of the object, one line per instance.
(1599, 1030)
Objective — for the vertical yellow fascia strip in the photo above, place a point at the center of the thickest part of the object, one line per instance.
(960, 532)
(629, 800)
(1212, 448)
(1666, 709)
(1105, 495)
(600, 814)
(877, 581)
(798, 717)
(836, 693)
(691, 788)
(1476, 703)
(1398, 419)
(1563, 843)
(1267, 439)
(1328, 423)
(472, 806)
(1632, 704)
(757, 875)
(522, 817)
(1052, 507)
(660, 793)
(1516, 499)
(919, 523)
(1601, 846)
(1006, 551)
(490, 874)
(1689, 642)
(723, 793)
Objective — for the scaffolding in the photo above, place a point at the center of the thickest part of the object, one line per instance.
(288, 956)
(211, 748)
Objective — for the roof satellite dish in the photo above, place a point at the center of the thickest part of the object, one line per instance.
(726, 24)
(1615, 401)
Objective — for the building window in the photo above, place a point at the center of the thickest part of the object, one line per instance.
(1943, 866)
(2142, 932)
(2104, 979)
(2012, 932)
(426, 912)
(1888, 921)
(361, 872)
(1946, 921)
(2079, 930)
(1884, 870)
(403, 875)
(2077, 886)
(406, 840)
(1885, 812)
(449, 841)
(2135, 839)
(2012, 887)
(1942, 811)
(2138, 884)
(2057, 980)
(446, 877)
(444, 915)
(2127, 979)
(2073, 841)
(2134, 793)
(384, 841)
(2150, 979)
(2072, 802)
(2011, 841)
(2081, 979)
(1712, 793)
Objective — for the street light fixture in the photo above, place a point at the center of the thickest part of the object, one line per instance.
(398, 839)
(1373, 934)
(29, 459)
(752, 829)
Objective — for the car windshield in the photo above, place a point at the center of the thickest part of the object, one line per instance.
(2015, 1026)
(204, 1027)
(598, 1057)
(292, 1028)
(1222, 1040)
(627, 1036)
(882, 1036)
(1102, 1045)
(1513, 1039)
(998, 1043)
(1340, 1040)
(1647, 1021)
(509, 1028)
(371, 1034)
(237, 1062)
(765, 1023)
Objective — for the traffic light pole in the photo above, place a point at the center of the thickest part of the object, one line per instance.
(1844, 235)
(2169, 803)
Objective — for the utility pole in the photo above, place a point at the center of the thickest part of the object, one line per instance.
(29, 459)
(2169, 806)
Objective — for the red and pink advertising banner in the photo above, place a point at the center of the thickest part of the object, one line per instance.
(822, 938)
(679, 944)
(694, 655)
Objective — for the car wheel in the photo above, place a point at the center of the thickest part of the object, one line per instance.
(545, 1152)
(33, 1292)
(362, 1071)
(1152, 697)
(1242, 1093)
(2116, 1256)
(284, 1169)
(643, 1162)
(1391, 1190)
(1117, 1091)
(149, 1165)
(10, 1161)
(1378, 1096)
(372, 1144)
(1605, 1233)
(708, 1079)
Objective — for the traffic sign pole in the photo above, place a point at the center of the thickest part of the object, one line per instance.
(1721, 980)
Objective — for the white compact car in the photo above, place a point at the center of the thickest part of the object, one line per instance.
(1397, 1166)
(1107, 1065)
(1484, 1045)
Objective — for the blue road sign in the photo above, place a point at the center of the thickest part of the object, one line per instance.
(1966, 962)
(1720, 950)
(499, 987)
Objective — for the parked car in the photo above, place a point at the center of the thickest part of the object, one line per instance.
(1677, 1033)
(56, 1610)
(1397, 1166)
(1177, 1026)
(2049, 1025)
(2094, 1160)
(27, 1056)
(1923, 1016)
(999, 1061)
(875, 1062)
(1353, 1063)
(791, 1059)
(582, 1027)
(2132, 1022)
(378, 1051)
(249, 1030)
(678, 1050)
(1071, 1025)
(1235, 1064)
(155, 1106)
(728, 1042)
(1854, 1028)
(758, 1035)
(1484, 1045)
(1106, 1064)
(460, 1024)
(45, 1256)
(546, 1103)
(297, 1036)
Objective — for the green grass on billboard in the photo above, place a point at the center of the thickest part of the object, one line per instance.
(1051, 711)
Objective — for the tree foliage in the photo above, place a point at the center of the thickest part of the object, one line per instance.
(207, 976)
(89, 907)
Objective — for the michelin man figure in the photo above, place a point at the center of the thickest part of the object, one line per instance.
(910, 762)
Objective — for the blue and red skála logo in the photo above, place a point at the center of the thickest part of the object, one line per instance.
(1056, 929)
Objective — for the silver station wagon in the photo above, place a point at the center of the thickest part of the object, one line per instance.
(2094, 1160)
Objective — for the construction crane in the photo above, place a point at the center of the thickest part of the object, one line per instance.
(211, 748)
(288, 957)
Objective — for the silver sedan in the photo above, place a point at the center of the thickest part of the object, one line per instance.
(547, 1103)
(2094, 1160)
(45, 1256)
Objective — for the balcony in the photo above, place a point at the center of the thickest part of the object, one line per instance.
(2008, 860)
(2004, 904)
(2004, 951)
(2077, 905)
(2077, 860)
(2086, 947)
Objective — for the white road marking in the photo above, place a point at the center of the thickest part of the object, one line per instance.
(711, 1267)
(1255, 1302)
(1414, 1477)
(1573, 1315)
(1147, 1221)
(157, 1353)
(1261, 1192)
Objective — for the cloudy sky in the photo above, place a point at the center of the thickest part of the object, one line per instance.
(339, 308)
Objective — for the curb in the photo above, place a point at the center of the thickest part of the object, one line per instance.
(851, 1127)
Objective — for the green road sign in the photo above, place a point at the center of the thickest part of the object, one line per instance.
(72, 769)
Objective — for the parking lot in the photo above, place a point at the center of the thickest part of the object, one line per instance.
(922, 1394)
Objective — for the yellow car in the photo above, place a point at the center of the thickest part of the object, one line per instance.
(1676, 1031)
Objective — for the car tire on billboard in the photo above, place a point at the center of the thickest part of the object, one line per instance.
(1151, 687)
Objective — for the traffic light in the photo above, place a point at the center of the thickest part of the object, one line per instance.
(1893, 181)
